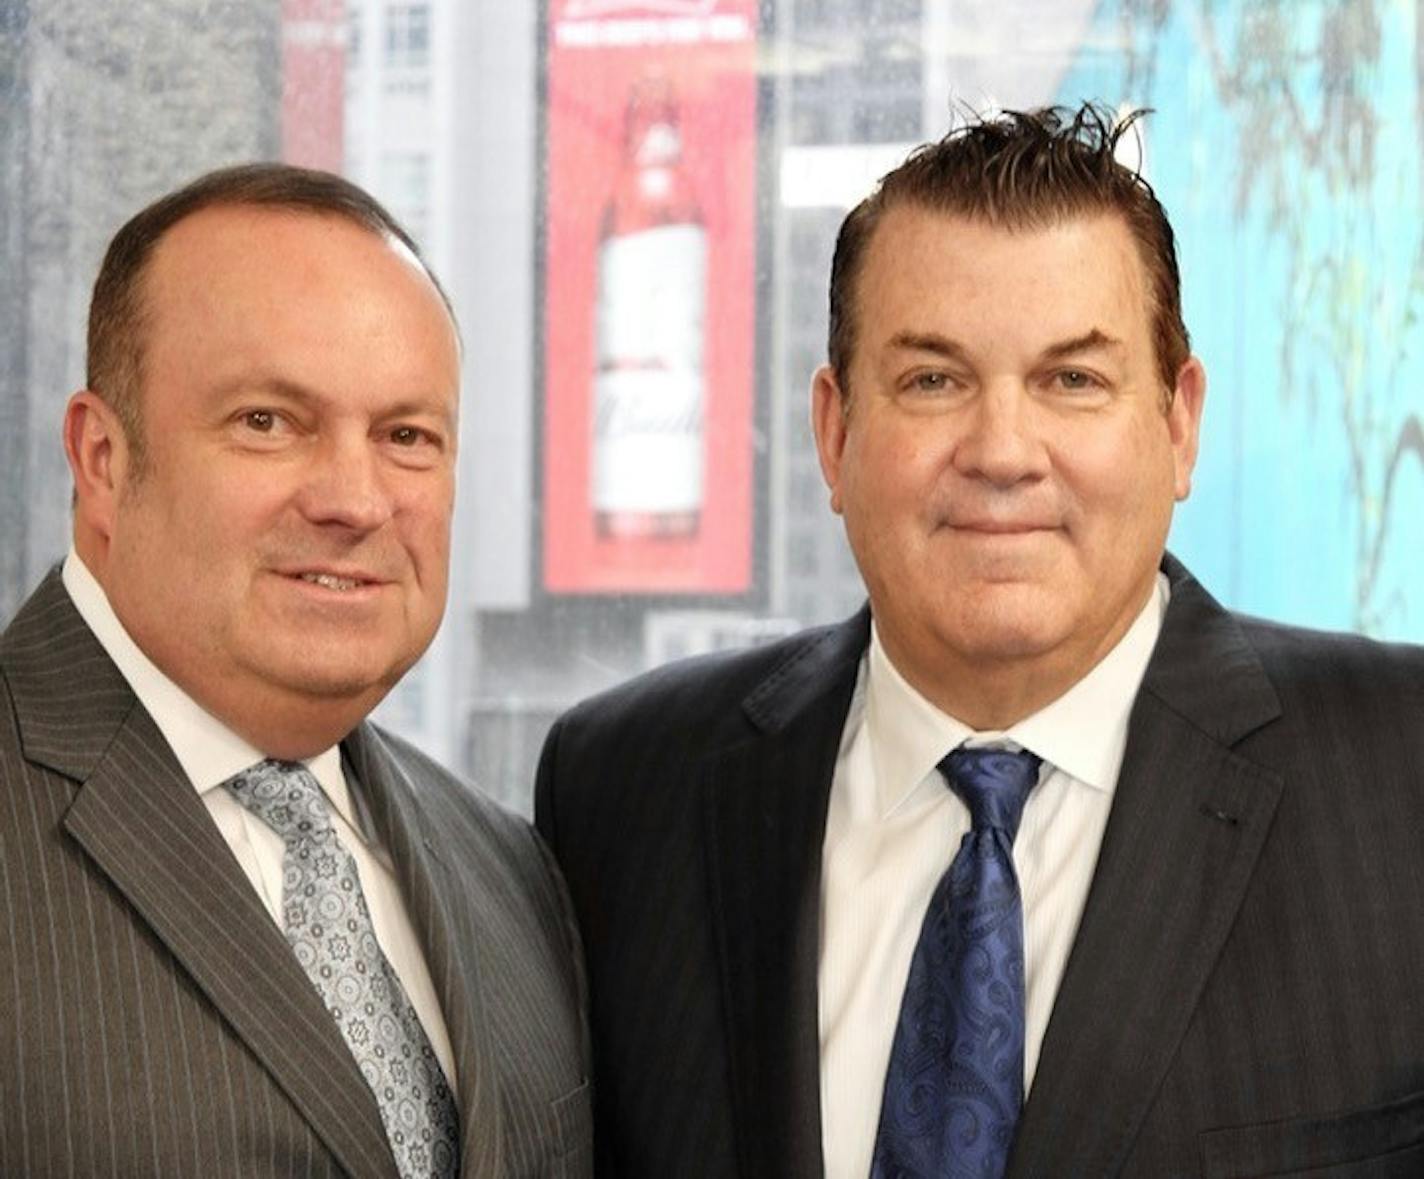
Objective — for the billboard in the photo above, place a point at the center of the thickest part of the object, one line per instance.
(314, 83)
(649, 292)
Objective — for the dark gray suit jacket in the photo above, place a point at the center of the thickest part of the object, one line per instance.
(1245, 995)
(153, 1020)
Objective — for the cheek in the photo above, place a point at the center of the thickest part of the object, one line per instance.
(1121, 497)
(425, 521)
(217, 503)
(891, 472)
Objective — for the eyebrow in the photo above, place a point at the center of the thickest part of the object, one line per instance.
(929, 342)
(271, 387)
(1090, 341)
(285, 390)
(1096, 340)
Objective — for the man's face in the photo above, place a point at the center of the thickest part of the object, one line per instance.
(286, 544)
(1004, 464)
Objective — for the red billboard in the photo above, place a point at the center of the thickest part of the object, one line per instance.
(314, 83)
(649, 296)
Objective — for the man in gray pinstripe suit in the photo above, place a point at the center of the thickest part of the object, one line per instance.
(263, 462)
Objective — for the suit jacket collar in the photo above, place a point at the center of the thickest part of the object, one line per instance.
(142, 824)
(819, 669)
(765, 815)
(426, 869)
(1188, 822)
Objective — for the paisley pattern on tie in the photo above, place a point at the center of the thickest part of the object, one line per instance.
(328, 924)
(954, 1086)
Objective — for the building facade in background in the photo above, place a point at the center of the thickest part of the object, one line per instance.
(102, 108)
(633, 206)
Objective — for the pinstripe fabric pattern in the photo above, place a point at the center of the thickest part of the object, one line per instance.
(1243, 996)
(155, 1021)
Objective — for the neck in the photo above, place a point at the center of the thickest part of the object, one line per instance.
(285, 725)
(993, 694)
(1000, 696)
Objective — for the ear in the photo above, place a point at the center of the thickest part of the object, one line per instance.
(99, 460)
(1184, 423)
(828, 421)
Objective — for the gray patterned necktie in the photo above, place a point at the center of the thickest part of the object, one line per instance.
(326, 920)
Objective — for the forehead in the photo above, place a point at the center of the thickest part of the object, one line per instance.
(240, 287)
(922, 263)
(275, 246)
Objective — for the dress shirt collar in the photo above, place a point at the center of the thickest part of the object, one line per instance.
(1083, 732)
(209, 751)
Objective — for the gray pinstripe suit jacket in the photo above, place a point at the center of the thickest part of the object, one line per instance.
(1245, 995)
(153, 1020)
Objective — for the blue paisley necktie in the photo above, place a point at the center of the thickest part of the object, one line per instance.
(954, 1086)
(329, 927)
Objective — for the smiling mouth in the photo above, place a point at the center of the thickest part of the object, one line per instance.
(332, 582)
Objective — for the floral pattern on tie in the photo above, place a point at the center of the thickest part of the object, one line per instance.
(328, 925)
(954, 1085)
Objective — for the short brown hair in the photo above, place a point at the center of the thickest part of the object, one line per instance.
(1022, 170)
(117, 313)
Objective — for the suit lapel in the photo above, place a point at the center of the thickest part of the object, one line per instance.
(146, 829)
(1188, 821)
(424, 868)
(766, 812)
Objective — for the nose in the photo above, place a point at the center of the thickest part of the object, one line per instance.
(346, 486)
(999, 440)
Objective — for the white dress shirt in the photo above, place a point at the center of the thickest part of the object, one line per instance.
(210, 753)
(894, 826)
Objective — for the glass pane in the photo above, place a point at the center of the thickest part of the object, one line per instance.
(634, 205)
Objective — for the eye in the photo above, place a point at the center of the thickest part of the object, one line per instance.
(931, 381)
(261, 421)
(1076, 379)
(411, 437)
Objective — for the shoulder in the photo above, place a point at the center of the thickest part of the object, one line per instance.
(642, 738)
(461, 821)
(702, 693)
(1316, 661)
(1344, 699)
(440, 792)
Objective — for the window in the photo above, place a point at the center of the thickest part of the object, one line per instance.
(405, 188)
(408, 46)
(1299, 224)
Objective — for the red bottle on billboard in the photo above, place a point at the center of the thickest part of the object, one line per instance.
(649, 383)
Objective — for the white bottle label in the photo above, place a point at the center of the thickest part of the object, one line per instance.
(649, 388)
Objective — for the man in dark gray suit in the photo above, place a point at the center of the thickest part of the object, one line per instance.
(246, 932)
(1045, 864)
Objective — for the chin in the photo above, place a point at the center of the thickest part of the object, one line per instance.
(998, 634)
(346, 674)
(344, 683)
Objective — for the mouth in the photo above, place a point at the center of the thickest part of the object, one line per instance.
(332, 582)
(336, 581)
(1001, 527)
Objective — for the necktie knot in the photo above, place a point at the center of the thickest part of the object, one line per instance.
(286, 796)
(994, 784)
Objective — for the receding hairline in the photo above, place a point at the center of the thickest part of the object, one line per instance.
(295, 212)
(262, 210)
(118, 310)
